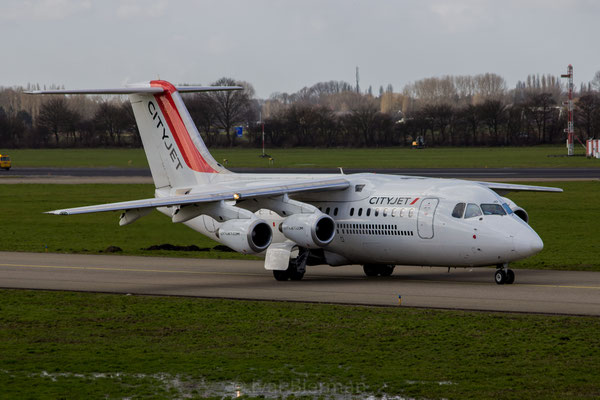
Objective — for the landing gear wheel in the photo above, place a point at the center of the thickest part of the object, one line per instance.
(370, 270)
(281, 275)
(296, 275)
(295, 270)
(500, 277)
(378, 269)
(386, 270)
(510, 276)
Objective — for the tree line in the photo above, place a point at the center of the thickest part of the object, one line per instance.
(446, 111)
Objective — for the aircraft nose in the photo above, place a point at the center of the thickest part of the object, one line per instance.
(528, 243)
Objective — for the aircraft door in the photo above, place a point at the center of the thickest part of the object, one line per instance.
(425, 218)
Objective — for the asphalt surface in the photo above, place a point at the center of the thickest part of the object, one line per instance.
(473, 173)
(534, 291)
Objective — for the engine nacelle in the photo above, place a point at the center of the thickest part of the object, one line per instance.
(245, 235)
(520, 212)
(312, 231)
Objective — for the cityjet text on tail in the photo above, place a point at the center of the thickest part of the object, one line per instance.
(300, 220)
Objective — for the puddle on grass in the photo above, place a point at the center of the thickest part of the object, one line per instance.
(186, 387)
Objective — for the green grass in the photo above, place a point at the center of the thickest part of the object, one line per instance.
(444, 157)
(52, 344)
(26, 228)
(567, 222)
(89, 158)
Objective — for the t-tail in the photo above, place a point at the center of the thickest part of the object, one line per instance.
(176, 153)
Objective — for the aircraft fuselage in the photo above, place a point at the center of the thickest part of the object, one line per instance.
(402, 220)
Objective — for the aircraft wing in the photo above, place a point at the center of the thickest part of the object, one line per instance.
(504, 188)
(234, 190)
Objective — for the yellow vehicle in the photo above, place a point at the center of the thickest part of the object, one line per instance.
(5, 161)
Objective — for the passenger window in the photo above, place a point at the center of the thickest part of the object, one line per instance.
(473, 210)
(359, 212)
(368, 212)
(351, 211)
(394, 212)
(411, 212)
(377, 212)
(385, 212)
(335, 211)
(401, 212)
(327, 210)
(459, 210)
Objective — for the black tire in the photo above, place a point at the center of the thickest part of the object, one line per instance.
(500, 277)
(296, 276)
(386, 270)
(510, 277)
(370, 270)
(281, 275)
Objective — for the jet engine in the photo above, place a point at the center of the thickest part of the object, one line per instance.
(520, 212)
(245, 235)
(311, 231)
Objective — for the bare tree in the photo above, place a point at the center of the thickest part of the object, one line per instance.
(363, 116)
(587, 113)
(231, 105)
(203, 110)
(492, 113)
(539, 108)
(595, 83)
(113, 120)
(55, 116)
(440, 116)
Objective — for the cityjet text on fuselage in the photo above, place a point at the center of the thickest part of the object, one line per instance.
(392, 200)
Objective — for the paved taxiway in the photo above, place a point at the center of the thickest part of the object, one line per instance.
(552, 292)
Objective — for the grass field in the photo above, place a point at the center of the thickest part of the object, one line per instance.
(567, 222)
(489, 157)
(81, 345)
(27, 229)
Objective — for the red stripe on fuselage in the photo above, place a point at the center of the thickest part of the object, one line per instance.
(414, 201)
(186, 146)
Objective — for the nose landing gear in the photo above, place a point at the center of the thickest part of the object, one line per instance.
(504, 274)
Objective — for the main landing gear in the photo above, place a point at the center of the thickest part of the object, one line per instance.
(504, 275)
(296, 268)
(378, 269)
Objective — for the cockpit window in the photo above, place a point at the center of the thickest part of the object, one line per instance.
(473, 210)
(458, 211)
(507, 208)
(492, 209)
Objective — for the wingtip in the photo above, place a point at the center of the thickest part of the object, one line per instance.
(56, 212)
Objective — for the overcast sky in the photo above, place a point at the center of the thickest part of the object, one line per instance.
(281, 46)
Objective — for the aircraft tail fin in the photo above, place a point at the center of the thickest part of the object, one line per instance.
(176, 153)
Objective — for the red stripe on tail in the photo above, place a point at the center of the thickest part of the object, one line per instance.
(190, 153)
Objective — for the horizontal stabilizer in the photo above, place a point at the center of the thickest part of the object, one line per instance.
(136, 89)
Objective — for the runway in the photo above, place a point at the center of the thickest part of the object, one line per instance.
(546, 292)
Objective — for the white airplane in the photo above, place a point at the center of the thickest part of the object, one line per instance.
(295, 220)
